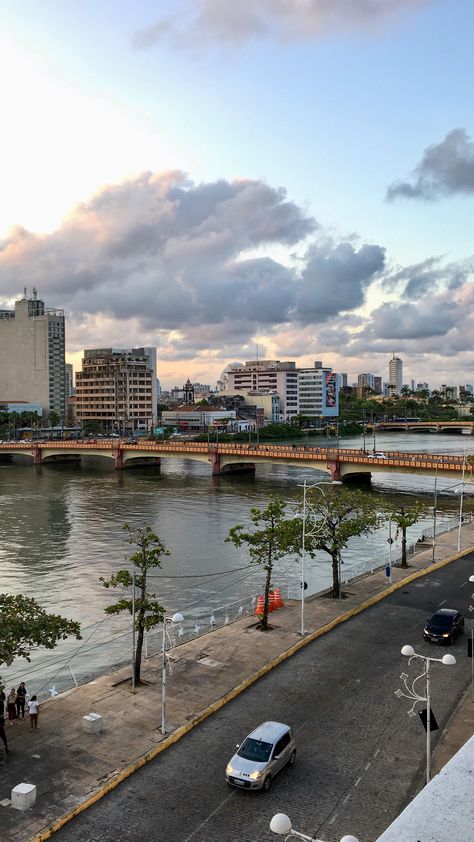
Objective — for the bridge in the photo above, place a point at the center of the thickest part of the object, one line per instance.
(460, 426)
(339, 463)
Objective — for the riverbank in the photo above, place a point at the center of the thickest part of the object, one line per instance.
(71, 769)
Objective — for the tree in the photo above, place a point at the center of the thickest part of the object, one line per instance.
(333, 519)
(274, 537)
(148, 612)
(405, 516)
(25, 625)
(53, 418)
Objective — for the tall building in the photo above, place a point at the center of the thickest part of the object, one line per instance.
(395, 375)
(69, 380)
(366, 380)
(117, 389)
(378, 385)
(343, 380)
(266, 375)
(318, 392)
(32, 364)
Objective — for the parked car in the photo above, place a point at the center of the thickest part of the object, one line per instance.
(444, 626)
(261, 756)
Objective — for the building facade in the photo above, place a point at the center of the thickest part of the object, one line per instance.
(32, 363)
(318, 392)
(395, 375)
(117, 389)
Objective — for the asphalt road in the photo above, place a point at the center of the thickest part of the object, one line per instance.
(359, 755)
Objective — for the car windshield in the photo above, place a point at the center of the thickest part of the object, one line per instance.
(443, 620)
(255, 750)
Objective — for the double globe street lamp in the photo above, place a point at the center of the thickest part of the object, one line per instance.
(176, 618)
(413, 694)
(281, 824)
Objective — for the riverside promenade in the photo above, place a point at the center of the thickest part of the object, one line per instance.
(72, 769)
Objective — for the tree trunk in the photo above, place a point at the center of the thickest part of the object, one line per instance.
(138, 655)
(335, 576)
(403, 562)
(264, 620)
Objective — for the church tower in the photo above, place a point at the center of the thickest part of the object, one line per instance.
(188, 393)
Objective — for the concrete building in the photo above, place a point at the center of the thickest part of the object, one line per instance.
(196, 419)
(117, 389)
(69, 380)
(366, 380)
(266, 376)
(395, 375)
(378, 385)
(32, 364)
(318, 393)
(268, 402)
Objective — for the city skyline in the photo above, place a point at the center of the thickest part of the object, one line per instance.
(294, 176)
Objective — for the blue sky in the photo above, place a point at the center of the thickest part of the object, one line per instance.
(333, 116)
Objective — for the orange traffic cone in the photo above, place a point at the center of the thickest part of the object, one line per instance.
(278, 600)
(260, 606)
(271, 601)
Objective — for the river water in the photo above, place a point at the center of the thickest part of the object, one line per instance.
(62, 528)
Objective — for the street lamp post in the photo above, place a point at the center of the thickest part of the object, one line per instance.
(412, 694)
(176, 618)
(306, 488)
(281, 824)
(471, 608)
(461, 502)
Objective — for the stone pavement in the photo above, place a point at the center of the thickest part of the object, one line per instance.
(71, 768)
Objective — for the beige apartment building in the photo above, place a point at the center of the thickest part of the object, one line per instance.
(118, 389)
(32, 347)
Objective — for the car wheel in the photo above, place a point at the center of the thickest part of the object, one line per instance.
(292, 758)
(267, 783)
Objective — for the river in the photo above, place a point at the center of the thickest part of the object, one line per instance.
(62, 528)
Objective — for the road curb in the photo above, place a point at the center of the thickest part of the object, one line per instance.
(180, 732)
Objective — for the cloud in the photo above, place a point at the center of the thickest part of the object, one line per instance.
(335, 279)
(201, 21)
(429, 276)
(446, 169)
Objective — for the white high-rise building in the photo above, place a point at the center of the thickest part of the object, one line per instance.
(395, 375)
(32, 364)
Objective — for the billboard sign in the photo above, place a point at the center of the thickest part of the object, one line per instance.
(331, 390)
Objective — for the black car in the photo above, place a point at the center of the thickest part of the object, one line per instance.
(444, 626)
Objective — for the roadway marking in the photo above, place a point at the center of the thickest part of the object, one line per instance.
(367, 766)
(210, 816)
(358, 781)
(376, 753)
(344, 801)
(331, 821)
(444, 600)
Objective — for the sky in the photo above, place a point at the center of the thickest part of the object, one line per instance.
(210, 178)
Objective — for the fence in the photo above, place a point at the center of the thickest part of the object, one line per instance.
(107, 645)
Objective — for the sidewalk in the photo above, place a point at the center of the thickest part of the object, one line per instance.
(69, 767)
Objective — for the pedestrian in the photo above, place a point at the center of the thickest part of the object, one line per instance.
(3, 699)
(3, 736)
(33, 708)
(11, 706)
(21, 693)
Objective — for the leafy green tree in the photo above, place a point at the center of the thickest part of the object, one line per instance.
(53, 418)
(405, 516)
(274, 537)
(333, 518)
(148, 611)
(24, 625)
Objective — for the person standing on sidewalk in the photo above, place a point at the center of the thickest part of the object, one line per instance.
(11, 706)
(33, 709)
(21, 693)
(3, 699)
(3, 736)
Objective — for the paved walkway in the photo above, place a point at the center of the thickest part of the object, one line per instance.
(69, 767)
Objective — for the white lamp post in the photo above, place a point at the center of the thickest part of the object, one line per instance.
(461, 491)
(305, 488)
(471, 608)
(281, 824)
(412, 693)
(176, 618)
